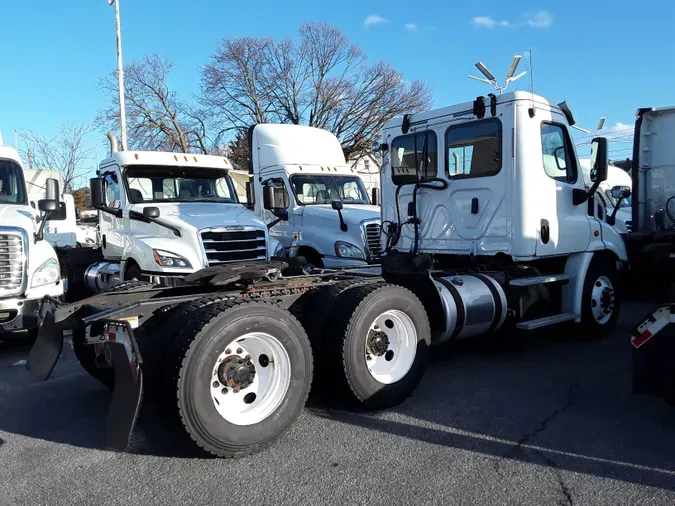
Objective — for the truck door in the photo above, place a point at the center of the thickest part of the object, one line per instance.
(283, 230)
(564, 227)
(110, 225)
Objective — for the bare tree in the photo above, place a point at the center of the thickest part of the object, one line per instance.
(322, 81)
(238, 151)
(67, 152)
(157, 119)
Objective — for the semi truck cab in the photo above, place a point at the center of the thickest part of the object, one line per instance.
(29, 267)
(316, 205)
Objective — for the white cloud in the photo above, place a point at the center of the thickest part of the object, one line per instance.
(621, 127)
(539, 19)
(488, 22)
(411, 27)
(374, 19)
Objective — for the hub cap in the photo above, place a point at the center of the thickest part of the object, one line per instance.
(602, 300)
(391, 346)
(250, 378)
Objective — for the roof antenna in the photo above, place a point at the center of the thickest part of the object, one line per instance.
(492, 80)
(532, 109)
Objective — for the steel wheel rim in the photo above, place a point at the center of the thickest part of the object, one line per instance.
(267, 390)
(390, 362)
(603, 300)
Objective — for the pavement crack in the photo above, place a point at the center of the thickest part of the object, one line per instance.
(567, 499)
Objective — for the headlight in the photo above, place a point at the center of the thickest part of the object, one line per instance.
(279, 251)
(49, 272)
(347, 250)
(167, 259)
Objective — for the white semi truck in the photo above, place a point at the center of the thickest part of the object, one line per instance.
(323, 211)
(165, 215)
(29, 267)
(486, 224)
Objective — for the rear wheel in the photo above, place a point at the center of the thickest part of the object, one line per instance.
(380, 340)
(242, 372)
(87, 354)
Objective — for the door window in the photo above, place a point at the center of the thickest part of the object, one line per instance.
(558, 156)
(280, 192)
(112, 191)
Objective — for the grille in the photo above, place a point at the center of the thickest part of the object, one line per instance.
(229, 246)
(629, 225)
(12, 264)
(373, 241)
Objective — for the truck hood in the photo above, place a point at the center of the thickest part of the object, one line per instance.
(18, 216)
(353, 214)
(207, 214)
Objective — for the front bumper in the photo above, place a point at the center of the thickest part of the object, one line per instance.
(18, 314)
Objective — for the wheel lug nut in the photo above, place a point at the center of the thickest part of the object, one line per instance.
(223, 391)
(216, 384)
(228, 351)
(368, 357)
(239, 350)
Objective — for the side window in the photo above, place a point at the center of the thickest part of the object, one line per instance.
(474, 149)
(558, 155)
(140, 189)
(112, 191)
(407, 155)
(280, 191)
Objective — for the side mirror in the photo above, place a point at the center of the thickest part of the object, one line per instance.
(599, 161)
(621, 192)
(269, 201)
(337, 205)
(97, 187)
(375, 198)
(151, 212)
(250, 194)
(48, 205)
(52, 190)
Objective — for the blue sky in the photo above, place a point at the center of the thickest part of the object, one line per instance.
(600, 56)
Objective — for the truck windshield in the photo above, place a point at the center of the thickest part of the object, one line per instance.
(179, 184)
(320, 189)
(12, 189)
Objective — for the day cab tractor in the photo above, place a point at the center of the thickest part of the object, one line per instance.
(486, 224)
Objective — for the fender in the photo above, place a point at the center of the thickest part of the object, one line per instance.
(576, 266)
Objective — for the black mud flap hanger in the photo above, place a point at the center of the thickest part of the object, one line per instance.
(653, 341)
(120, 350)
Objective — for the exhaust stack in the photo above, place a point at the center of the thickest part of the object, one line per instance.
(113, 143)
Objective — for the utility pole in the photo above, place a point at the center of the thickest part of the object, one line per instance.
(120, 74)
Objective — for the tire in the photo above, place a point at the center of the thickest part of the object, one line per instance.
(224, 427)
(360, 364)
(312, 258)
(600, 302)
(86, 354)
(133, 273)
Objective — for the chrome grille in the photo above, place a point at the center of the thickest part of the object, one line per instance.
(372, 233)
(12, 263)
(234, 246)
(629, 225)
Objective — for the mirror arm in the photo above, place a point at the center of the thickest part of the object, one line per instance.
(343, 225)
(274, 222)
(612, 219)
(40, 233)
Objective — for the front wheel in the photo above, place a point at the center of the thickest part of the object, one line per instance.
(600, 302)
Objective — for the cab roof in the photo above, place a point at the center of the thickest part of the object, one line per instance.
(127, 158)
(9, 153)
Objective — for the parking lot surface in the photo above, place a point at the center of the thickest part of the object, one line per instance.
(544, 419)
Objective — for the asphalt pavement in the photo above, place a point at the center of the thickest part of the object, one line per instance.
(544, 419)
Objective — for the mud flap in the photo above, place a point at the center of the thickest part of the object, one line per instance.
(653, 341)
(47, 348)
(126, 398)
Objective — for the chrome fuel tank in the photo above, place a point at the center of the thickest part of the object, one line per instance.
(473, 304)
